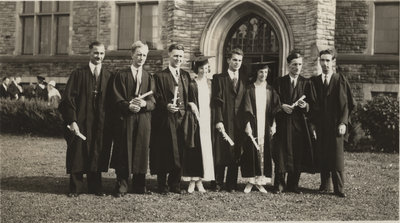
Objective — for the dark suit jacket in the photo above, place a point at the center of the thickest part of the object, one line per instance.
(165, 154)
(3, 92)
(77, 106)
(132, 138)
(228, 109)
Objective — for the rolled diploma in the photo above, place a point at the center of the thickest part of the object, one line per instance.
(254, 142)
(78, 134)
(175, 96)
(143, 95)
(227, 138)
(297, 102)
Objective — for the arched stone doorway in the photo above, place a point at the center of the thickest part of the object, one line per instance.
(257, 38)
(223, 21)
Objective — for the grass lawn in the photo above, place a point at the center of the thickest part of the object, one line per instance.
(34, 186)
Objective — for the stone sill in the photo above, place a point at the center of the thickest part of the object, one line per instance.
(73, 58)
(367, 59)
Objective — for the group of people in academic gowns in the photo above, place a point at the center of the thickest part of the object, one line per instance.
(194, 129)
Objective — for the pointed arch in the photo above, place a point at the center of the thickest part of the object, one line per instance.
(225, 16)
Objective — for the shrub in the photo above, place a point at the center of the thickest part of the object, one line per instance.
(29, 117)
(379, 119)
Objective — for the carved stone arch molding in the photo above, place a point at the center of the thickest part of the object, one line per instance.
(225, 16)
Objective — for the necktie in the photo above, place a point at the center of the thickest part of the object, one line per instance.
(235, 81)
(177, 75)
(326, 81)
(293, 86)
(96, 72)
(138, 82)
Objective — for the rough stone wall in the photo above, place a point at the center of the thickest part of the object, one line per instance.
(7, 27)
(351, 26)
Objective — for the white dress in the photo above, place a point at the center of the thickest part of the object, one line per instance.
(204, 95)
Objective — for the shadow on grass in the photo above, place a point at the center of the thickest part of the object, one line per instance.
(54, 185)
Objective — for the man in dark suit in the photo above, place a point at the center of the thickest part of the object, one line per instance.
(15, 89)
(330, 116)
(167, 140)
(41, 92)
(292, 143)
(85, 109)
(228, 89)
(133, 125)
(3, 87)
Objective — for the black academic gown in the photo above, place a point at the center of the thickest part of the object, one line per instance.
(41, 94)
(332, 108)
(3, 92)
(292, 150)
(228, 109)
(132, 130)
(250, 165)
(77, 105)
(165, 154)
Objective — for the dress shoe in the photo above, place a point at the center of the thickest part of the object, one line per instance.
(100, 194)
(139, 190)
(175, 190)
(340, 194)
(200, 187)
(277, 190)
(261, 189)
(120, 194)
(163, 190)
(73, 194)
(294, 190)
(248, 187)
(323, 190)
(191, 187)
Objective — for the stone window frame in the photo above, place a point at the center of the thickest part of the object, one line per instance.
(36, 32)
(115, 28)
(371, 25)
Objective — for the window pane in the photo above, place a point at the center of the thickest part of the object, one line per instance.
(62, 34)
(126, 28)
(27, 47)
(45, 6)
(149, 24)
(387, 28)
(29, 7)
(63, 6)
(45, 35)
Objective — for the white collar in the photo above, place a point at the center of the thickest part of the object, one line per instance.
(5, 86)
(173, 70)
(92, 66)
(328, 77)
(233, 74)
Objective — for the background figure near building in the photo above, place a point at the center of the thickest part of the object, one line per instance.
(228, 89)
(292, 149)
(41, 92)
(15, 89)
(260, 104)
(53, 94)
(198, 161)
(168, 133)
(330, 115)
(133, 122)
(5, 82)
(86, 109)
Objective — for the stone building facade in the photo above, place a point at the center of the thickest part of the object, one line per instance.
(52, 38)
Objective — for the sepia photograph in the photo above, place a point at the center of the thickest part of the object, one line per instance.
(199, 110)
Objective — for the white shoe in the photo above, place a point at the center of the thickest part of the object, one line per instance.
(200, 187)
(248, 187)
(191, 187)
(261, 189)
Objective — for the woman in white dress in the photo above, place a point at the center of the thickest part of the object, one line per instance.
(256, 160)
(201, 93)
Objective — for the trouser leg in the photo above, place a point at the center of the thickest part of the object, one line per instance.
(232, 176)
(338, 181)
(219, 175)
(122, 184)
(293, 180)
(174, 178)
(139, 181)
(279, 181)
(76, 183)
(325, 181)
(94, 182)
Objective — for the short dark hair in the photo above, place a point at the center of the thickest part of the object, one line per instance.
(262, 67)
(327, 51)
(95, 43)
(176, 46)
(294, 55)
(237, 51)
